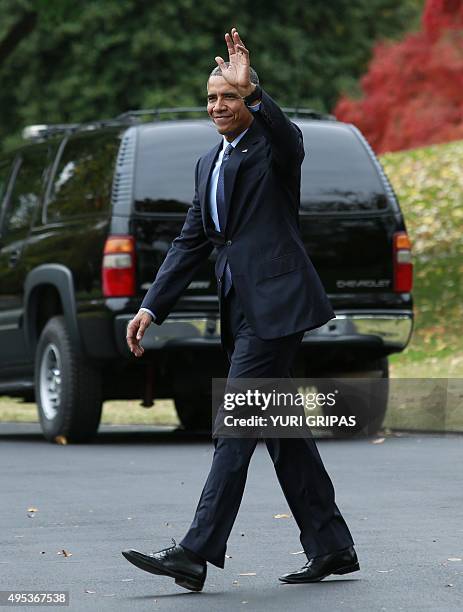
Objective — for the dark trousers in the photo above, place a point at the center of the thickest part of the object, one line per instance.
(298, 465)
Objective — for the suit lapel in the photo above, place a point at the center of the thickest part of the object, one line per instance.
(233, 164)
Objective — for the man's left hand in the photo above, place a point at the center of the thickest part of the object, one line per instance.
(237, 73)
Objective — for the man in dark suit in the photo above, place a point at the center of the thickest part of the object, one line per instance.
(246, 204)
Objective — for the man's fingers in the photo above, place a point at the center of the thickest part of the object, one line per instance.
(236, 38)
(131, 340)
(132, 329)
(219, 61)
(141, 330)
(230, 44)
(135, 330)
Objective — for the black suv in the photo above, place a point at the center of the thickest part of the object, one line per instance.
(88, 213)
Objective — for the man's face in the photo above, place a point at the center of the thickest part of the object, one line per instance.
(226, 108)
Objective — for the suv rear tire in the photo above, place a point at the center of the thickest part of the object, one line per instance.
(68, 390)
(369, 418)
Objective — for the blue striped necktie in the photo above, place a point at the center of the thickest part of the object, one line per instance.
(221, 210)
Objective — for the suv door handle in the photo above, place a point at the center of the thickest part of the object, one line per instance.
(14, 256)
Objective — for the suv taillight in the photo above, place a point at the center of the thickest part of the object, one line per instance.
(118, 268)
(403, 266)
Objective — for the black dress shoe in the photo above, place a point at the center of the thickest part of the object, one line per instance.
(317, 568)
(174, 562)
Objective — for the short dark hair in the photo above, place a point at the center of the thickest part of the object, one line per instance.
(252, 73)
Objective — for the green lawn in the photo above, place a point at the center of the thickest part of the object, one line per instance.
(114, 412)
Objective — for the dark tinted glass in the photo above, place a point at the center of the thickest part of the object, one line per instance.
(338, 173)
(165, 168)
(27, 191)
(83, 181)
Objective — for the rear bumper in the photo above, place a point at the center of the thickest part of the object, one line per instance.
(390, 330)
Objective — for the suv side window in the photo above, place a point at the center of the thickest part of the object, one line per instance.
(83, 179)
(27, 191)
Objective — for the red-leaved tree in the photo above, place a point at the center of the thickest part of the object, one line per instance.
(413, 90)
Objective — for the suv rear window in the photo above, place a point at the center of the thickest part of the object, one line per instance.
(165, 168)
(338, 173)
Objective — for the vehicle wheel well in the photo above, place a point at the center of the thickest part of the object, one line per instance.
(47, 304)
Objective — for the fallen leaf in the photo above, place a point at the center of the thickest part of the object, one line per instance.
(61, 440)
(65, 553)
(278, 516)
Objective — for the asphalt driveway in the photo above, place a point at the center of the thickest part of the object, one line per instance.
(137, 487)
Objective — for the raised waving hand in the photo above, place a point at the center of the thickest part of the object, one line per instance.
(237, 72)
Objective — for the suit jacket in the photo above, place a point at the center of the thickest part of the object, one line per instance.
(274, 278)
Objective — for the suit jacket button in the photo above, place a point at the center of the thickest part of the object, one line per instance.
(229, 242)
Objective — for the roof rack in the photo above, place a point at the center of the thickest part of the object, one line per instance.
(303, 112)
(309, 113)
(161, 111)
(41, 131)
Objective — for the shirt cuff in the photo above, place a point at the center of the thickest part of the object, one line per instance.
(151, 313)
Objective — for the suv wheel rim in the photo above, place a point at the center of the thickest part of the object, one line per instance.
(50, 381)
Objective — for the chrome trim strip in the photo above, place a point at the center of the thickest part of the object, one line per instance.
(391, 328)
